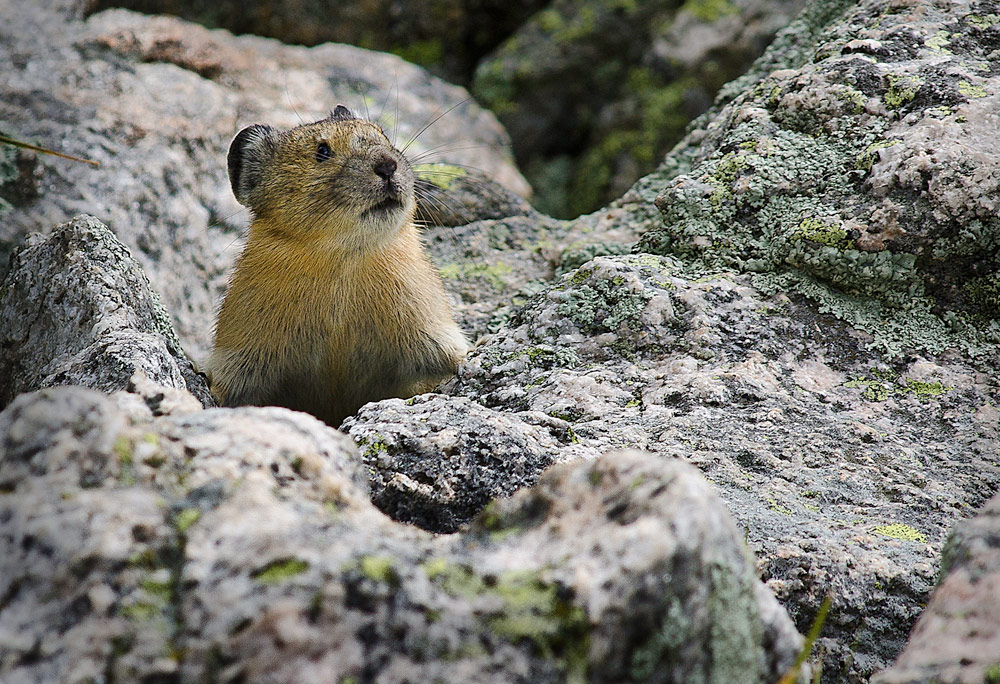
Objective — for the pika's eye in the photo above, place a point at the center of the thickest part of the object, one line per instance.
(322, 152)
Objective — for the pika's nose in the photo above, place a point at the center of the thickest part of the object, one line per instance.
(384, 168)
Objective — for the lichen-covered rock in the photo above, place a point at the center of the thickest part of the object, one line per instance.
(595, 92)
(76, 309)
(156, 101)
(450, 195)
(847, 471)
(957, 639)
(436, 461)
(491, 267)
(862, 174)
(237, 545)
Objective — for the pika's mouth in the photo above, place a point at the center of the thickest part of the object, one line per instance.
(387, 205)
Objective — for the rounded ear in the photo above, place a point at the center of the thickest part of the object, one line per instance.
(248, 153)
(341, 113)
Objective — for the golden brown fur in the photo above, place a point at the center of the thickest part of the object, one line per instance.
(334, 302)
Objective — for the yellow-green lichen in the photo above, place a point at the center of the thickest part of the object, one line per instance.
(280, 570)
(879, 385)
(971, 90)
(531, 609)
(372, 448)
(379, 568)
(493, 274)
(866, 159)
(901, 532)
(937, 43)
(160, 590)
(820, 232)
(983, 21)
(185, 518)
(710, 10)
(439, 174)
(902, 89)
(141, 611)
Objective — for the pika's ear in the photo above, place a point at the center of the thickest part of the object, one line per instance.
(248, 153)
(341, 113)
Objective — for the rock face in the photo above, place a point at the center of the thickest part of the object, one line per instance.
(847, 471)
(76, 309)
(957, 639)
(156, 101)
(436, 461)
(594, 92)
(862, 173)
(238, 545)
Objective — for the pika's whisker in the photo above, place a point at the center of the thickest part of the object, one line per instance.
(432, 122)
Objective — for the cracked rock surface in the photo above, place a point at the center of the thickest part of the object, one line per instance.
(239, 545)
(76, 309)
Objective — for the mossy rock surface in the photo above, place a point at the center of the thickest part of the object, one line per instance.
(861, 174)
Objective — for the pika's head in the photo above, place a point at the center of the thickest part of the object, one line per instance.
(340, 175)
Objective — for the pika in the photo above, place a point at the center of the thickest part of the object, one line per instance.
(333, 302)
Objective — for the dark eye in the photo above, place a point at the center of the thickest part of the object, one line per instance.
(322, 152)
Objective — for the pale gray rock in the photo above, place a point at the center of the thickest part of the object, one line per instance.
(436, 461)
(846, 470)
(862, 174)
(76, 309)
(238, 545)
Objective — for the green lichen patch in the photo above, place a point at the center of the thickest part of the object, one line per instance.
(531, 611)
(185, 518)
(983, 21)
(735, 632)
(901, 532)
(441, 175)
(379, 568)
(371, 448)
(938, 43)
(970, 90)
(879, 385)
(823, 233)
(280, 570)
(984, 295)
(493, 274)
(141, 611)
(599, 304)
(710, 10)
(902, 90)
(866, 159)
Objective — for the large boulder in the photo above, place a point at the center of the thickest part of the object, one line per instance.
(846, 468)
(239, 545)
(76, 309)
(860, 171)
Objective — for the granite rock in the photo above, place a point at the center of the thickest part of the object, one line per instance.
(238, 545)
(76, 309)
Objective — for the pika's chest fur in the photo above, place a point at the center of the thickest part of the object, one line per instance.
(304, 328)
